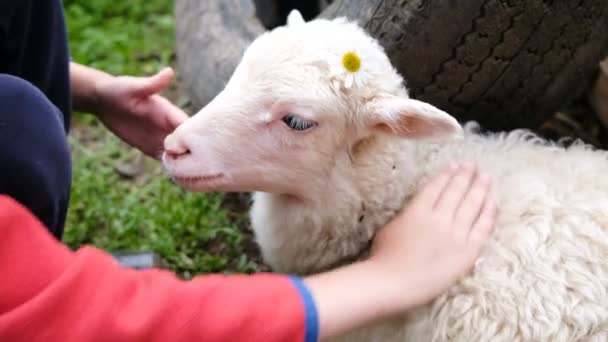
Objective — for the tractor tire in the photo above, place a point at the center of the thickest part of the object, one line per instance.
(504, 63)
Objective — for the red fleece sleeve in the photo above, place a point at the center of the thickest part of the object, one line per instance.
(49, 293)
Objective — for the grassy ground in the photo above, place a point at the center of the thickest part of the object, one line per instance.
(121, 201)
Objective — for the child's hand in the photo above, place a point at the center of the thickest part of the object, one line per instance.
(134, 110)
(438, 236)
(414, 258)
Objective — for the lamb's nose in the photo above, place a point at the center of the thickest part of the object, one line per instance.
(175, 147)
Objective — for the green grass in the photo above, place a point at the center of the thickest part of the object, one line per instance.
(119, 37)
(193, 233)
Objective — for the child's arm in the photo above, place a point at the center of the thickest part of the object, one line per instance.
(49, 293)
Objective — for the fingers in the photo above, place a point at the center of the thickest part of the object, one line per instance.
(147, 86)
(483, 226)
(471, 206)
(431, 192)
(176, 117)
(173, 116)
(454, 192)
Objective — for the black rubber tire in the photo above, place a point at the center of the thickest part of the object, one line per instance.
(503, 63)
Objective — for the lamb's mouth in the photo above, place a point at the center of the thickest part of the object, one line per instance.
(196, 181)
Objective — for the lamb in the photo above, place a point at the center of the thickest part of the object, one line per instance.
(319, 125)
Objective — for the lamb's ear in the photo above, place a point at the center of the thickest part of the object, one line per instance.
(410, 118)
(295, 18)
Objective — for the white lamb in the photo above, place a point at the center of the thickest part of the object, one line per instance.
(318, 122)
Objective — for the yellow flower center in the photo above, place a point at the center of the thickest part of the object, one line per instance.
(351, 62)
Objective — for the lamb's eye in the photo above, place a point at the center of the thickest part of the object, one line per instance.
(297, 123)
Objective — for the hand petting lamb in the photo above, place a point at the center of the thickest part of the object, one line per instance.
(317, 122)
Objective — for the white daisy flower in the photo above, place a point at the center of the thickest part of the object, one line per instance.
(351, 69)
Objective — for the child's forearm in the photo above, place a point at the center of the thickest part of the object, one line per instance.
(83, 80)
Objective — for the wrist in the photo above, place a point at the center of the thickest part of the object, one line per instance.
(356, 295)
(396, 286)
(388, 287)
(84, 81)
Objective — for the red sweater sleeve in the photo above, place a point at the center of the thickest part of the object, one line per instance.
(49, 293)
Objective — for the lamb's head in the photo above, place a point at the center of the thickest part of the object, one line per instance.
(302, 96)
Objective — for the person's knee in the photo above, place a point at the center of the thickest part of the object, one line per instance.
(19, 97)
(34, 154)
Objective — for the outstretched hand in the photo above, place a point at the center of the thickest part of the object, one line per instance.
(418, 255)
(132, 108)
(437, 238)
